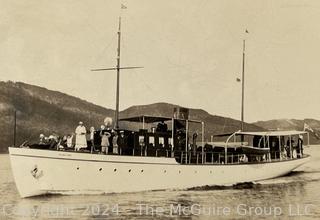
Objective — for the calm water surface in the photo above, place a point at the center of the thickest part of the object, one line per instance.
(296, 196)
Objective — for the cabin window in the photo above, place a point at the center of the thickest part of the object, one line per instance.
(151, 140)
(161, 141)
(141, 140)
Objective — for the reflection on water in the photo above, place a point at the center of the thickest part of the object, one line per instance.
(296, 195)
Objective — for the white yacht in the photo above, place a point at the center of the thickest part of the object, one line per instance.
(155, 157)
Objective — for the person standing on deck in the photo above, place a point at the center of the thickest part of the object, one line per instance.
(300, 147)
(122, 142)
(42, 139)
(105, 141)
(81, 140)
(115, 143)
(69, 140)
(92, 138)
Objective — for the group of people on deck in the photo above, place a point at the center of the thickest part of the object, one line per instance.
(109, 139)
(296, 148)
(292, 148)
(105, 141)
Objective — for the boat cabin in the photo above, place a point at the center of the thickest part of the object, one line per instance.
(161, 136)
(261, 146)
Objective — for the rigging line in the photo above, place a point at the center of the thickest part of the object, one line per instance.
(48, 116)
(224, 125)
(133, 26)
(136, 75)
(31, 136)
(144, 82)
(139, 52)
(99, 57)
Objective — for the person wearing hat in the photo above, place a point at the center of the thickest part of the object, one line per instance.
(42, 139)
(122, 142)
(52, 142)
(115, 143)
(81, 140)
(105, 135)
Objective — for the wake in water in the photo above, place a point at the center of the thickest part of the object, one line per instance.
(297, 177)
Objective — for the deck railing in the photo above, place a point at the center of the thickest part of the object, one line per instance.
(219, 158)
(207, 157)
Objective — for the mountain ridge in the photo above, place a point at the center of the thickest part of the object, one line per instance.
(293, 124)
(40, 110)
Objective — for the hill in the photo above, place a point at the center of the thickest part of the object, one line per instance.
(40, 110)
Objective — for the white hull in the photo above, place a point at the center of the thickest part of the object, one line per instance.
(61, 172)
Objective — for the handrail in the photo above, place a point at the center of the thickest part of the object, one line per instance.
(225, 147)
(237, 158)
(234, 134)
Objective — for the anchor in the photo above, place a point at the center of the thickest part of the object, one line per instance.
(35, 172)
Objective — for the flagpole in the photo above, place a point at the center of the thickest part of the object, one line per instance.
(242, 95)
(116, 125)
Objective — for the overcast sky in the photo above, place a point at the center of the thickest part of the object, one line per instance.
(191, 51)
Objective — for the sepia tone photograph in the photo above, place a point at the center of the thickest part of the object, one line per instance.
(148, 109)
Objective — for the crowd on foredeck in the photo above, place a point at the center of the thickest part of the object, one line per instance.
(83, 139)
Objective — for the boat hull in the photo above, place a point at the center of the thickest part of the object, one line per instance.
(38, 172)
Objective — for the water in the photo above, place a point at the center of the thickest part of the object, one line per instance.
(296, 196)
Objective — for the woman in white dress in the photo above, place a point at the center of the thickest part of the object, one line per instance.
(81, 140)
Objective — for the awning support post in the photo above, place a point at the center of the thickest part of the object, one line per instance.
(202, 139)
(172, 138)
(290, 146)
(143, 121)
(279, 148)
(268, 140)
(187, 130)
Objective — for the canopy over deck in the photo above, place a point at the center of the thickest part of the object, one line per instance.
(272, 133)
(153, 119)
(146, 119)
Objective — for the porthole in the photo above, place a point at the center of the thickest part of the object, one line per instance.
(100, 169)
(78, 168)
(210, 171)
(129, 170)
(114, 170)
(179, 171)
(164, 171)
(195, 171)
(141, 171)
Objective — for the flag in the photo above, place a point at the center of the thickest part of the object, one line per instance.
(238, 80)
(123, 6)
(307, 127)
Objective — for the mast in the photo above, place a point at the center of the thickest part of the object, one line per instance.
(116, 125)
(242, 92)
(118, 68)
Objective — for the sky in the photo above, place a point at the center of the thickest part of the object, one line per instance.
(191, 51)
